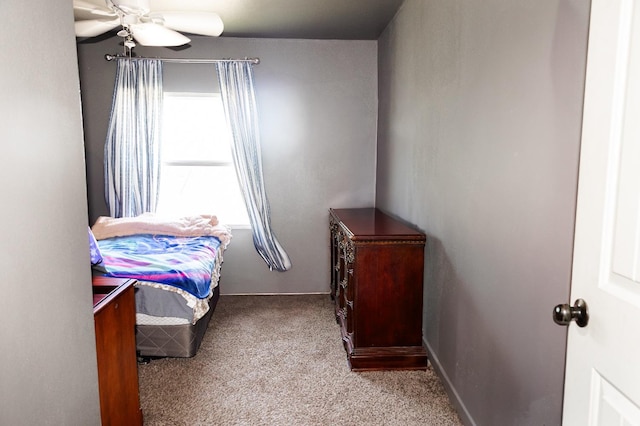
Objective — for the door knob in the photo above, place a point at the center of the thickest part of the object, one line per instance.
(564, 314)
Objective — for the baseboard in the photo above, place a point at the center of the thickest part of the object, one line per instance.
(448, 386)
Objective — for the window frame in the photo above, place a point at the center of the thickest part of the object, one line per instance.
(236, 224)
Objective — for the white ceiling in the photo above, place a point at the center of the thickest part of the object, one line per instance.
(312, 19)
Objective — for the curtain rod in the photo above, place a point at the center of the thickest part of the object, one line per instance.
(110, 57)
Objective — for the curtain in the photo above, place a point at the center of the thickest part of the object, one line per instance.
(132, 147)
(238, 98)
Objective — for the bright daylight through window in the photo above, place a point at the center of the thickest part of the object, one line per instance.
(197, 175)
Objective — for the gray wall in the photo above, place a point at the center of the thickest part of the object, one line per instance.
(478, 144)
(47, 363)
(317, 103)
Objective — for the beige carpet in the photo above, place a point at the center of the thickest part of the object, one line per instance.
(279, 360)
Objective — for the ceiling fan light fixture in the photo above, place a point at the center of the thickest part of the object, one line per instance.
(127, 20)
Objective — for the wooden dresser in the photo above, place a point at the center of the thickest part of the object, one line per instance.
(115, 321)
(377, 266)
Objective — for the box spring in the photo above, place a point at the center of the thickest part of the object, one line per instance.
(181, 341)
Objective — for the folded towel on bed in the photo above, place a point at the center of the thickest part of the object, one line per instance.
(149, 223)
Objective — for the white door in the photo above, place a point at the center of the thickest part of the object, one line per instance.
(602, 381)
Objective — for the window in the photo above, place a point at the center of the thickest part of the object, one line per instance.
(197, 174)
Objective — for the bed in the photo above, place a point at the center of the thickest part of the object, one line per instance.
(176, 263)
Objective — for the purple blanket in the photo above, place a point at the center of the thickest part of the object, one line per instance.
(183, 262)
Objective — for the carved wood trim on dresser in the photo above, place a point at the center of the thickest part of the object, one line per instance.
(377, 269)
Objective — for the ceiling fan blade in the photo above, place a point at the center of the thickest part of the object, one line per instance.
(95, 27)
(86, 9)
(150, 34)
(202, 23)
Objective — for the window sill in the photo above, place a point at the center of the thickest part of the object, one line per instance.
(239, 226)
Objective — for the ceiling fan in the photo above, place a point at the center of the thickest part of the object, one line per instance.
(141, 23)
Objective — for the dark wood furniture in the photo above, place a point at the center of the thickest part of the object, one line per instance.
(115, 321)
(377, 267)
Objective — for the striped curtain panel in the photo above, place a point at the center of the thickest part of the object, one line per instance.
(238, 98)
(132, 147)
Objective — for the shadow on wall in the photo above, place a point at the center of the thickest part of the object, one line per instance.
(468, 356)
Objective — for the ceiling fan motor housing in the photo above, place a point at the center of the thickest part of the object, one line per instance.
(130, 7)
